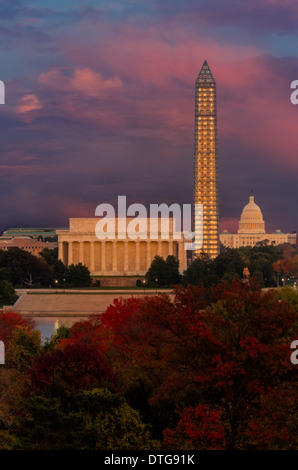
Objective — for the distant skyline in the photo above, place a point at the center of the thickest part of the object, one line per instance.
(100, 102)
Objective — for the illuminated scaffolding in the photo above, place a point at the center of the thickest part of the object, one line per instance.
(205, 162)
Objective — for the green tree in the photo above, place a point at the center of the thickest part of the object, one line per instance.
(97, 419)
(229, 265)
(61, 333)
(109, 423)
(7, 293)
(163, 273)
(258, 276)
(78, 276)
(26, 269)
(59, 270)
(4, 273)
(288, 294)
(22, 348)
(202, 271)
(50, 255)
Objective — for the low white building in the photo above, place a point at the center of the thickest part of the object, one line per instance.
(252, 230)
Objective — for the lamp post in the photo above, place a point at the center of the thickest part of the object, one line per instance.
(144, 282)
(64, 285)
(156, 280)
(56, 282)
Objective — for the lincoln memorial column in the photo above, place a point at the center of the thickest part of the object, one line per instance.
(70, 260)
(148, 254)
(182, 257)
(159, 248)
(81, 253)
(138, 261)
(125, 257)
(114, 256)
(103, 257)
(92, 257)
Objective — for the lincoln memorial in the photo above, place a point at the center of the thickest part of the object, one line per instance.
(118, 254)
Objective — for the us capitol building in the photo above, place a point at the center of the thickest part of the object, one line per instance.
(252, 230)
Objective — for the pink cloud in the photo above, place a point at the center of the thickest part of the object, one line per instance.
(154, 55)
(82, 80)
(149, 91)
(28, 103)
(27, 107)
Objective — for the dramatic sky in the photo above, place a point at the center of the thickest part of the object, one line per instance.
(100, 103)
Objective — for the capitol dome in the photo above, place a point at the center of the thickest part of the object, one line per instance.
(251, 218)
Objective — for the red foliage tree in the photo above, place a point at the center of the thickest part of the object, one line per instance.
(64, 372)
(227, 349)
(9, 321)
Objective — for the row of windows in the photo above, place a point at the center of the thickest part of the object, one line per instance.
(21, 247)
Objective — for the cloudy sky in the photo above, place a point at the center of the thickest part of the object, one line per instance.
(100, 103)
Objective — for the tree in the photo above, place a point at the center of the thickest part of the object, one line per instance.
(50, 255)
(289, 295)
(202, 271)
(22, 344)
(25, 268)
(22, 348)
(61, 333)
(259, 260)
(79, 276)
(225, 350)
(110, 423)
(8, 295)
(62, 372)
(285, 267)
(10, 321)
(163, 273)
(96, 420)
(59, 270)
(229, 265)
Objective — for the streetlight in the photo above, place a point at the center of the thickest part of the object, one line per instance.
(56, 282)
(64, 285)
(144, 282)
(156, 280)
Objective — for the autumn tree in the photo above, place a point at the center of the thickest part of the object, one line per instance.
(225, 350)
(22, 345)
(63, 372)
(284, 267)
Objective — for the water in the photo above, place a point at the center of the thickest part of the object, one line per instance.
(49, 325)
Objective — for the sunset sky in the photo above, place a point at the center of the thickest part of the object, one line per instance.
(100, 103)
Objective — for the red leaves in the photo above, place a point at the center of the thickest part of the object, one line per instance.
(198, 428)
(221, 357)
(76, 367)
(9, 321)
(230, 352)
